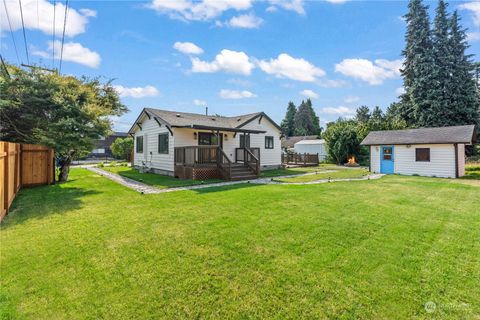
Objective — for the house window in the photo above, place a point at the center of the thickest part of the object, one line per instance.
(422, 154)
(268, 142)
(163, 143)
(140, 144)
(244, 141)
(387, 153)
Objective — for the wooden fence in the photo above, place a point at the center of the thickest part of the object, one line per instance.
(301, 159)
(23, 165)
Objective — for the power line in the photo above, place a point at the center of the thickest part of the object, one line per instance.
(23, 27)
(63, 35)
(53, 37)
(11, 31)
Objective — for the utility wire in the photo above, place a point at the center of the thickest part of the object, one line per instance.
(63, 35)
(53, 37)
(11, 31)
(23, 27)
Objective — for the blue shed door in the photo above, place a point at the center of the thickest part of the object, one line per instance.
(386, 159)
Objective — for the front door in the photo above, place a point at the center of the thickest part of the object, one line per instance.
(386, 159)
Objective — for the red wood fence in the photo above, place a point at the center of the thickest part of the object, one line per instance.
(301, 159)
(23, 165)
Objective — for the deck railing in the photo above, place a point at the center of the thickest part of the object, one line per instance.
(305, 159)
(240, 153)
(196, 155)
(224, 164)
(250, 157)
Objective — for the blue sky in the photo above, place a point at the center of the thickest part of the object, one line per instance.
(236, 56)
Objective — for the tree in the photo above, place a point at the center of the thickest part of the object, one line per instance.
(61, 112)
(363, 114)
(315, 118)
(464, 95)
(418, 67)
(342, 140)
(122, 148)
(288, 124)
(306, 121)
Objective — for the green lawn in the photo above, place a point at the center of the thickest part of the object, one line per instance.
(472, 171)
(336, 173)
(157, 180)
(298, 170)
(378, 249)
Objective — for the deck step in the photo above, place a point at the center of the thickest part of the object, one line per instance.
(242, 172)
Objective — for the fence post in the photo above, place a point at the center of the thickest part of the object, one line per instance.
(5, 177)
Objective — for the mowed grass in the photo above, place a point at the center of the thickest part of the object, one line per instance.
(157, 180)
(337, 173)
(297, 170)
(377, 249)
(472, 171)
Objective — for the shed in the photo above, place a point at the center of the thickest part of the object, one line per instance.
(312, 147)
(438, 152)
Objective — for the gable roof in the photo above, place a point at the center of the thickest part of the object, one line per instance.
(199, 121)
(289, 142)
(455, 134)
(310, 142)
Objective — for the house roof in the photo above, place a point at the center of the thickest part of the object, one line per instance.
(200, 121)
(289, 142)
(456, 134)
(316, 141)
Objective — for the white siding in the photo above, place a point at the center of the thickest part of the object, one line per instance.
(313, 149)
(442, 160)
(150, 131)
(461, 160)
(375, 159)
(268, 157)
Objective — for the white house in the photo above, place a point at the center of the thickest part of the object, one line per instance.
(438, 152)
(195, 146)
(312, 147)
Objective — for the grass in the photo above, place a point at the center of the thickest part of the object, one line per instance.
(377, 249)
(472, 171)
(157, 180)
(298, 170)
(338, 173)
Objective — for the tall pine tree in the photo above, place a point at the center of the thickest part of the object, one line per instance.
(315, 118)
(304, 122)
(418, 66)
(464, 97)
(288, 124)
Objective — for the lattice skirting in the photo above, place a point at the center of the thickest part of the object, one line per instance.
(197, 173)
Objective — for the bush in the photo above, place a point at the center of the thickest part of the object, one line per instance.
(100, 165)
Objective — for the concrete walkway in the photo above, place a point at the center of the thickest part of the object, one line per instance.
(147, 189)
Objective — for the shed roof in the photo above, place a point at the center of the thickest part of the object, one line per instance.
(289, 142)
(316, 141)
(455, 134)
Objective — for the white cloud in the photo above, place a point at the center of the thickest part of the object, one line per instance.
(234, 94)
(43, 18)
(227, 61)
(351, 99)
(187, 48)
(309, 93)
(286, 66)
(245, 21)
(292, 5)
(399, 91)
(136, 92)
(197, 10)
(198, 102)
(341, 110)
(473, 36)
(72, 51)
(474, 7)
(372, 72)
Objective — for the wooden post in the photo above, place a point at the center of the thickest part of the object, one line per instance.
(5, 178)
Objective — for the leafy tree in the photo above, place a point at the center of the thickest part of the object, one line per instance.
(418, 68)
(288, 124)
(342, 140)
(61, 112)
(122, 148)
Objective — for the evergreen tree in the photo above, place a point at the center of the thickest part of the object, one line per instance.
(304, 121)
(363, 114)
(315, 118)
(288, 124)
(464, 98)
(418, 66)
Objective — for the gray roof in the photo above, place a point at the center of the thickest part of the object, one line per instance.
(289, 142)
(456, 134)
(201, 121)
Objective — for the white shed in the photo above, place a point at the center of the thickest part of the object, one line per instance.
(438, 152)
(312, 147)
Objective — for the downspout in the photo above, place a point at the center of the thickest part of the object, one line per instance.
(456, 159)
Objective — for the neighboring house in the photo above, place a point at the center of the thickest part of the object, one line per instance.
(195, 146)
(103, 146)
(289, 142)
(438, 152)
(316, 146)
